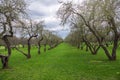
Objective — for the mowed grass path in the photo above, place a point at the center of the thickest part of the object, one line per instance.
(61, 63)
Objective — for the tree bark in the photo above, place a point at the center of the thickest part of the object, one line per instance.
(106, 52)
(4, 60)
(44, 47)
(29, 48)
(39, 45)
(115, 46)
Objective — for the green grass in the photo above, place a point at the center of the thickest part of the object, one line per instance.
(62, 63)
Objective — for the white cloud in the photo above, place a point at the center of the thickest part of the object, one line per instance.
(43, 10)
(52, 20)
(46, 9)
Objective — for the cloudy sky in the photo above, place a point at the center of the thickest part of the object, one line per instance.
(46, 10)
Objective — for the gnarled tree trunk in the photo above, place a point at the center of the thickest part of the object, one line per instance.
(5, 59)
(28, 55)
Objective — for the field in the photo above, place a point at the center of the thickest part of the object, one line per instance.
(62, 63)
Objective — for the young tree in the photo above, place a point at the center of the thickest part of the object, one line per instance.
(40, 34)
(30, 29)
(46, 36)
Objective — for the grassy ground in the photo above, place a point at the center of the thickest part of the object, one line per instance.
(62, 63)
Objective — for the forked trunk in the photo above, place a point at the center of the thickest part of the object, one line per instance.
(93, 48)
(107, 53)
(28, 55)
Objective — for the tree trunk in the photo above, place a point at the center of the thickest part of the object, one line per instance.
(29, 48)
(23, 46)
(78, 46)
(5, 59)
(28, 55)
(44, 47)
(39, 46)
(86, 48)
(106, 52)
(5, 62)
(93, 48)
(115, 46)
(81, 47)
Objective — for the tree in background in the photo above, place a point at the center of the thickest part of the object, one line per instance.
(40, 34)
(30, 30)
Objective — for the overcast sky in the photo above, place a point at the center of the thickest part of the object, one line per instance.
(46, 10)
